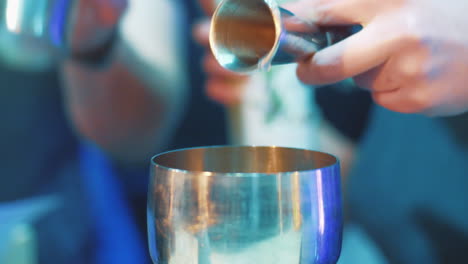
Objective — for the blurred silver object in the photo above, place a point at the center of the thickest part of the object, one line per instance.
(247, 35)
(35, 33)
(244, 205)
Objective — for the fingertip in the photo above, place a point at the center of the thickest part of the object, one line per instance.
(201, 32)
(208, 6)
(224, 91)
(302, 73)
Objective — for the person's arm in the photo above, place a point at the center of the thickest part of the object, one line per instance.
(131, 106)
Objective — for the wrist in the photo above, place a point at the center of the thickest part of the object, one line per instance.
(98, 55)
(93, 31)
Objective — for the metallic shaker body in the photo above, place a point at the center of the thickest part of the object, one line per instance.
(231, 205)
(32, 32)
(35, 33)
(247, 35)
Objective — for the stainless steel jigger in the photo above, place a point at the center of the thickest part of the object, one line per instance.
(244, 205)
(247, 35)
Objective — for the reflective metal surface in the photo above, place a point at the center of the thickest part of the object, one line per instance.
(34, 33)
(247, 35)
(244, 205)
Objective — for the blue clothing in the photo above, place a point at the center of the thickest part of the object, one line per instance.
(35, 136)
(408, 189)
(39, 158)
(116, 230)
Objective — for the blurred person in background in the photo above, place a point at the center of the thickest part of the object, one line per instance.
(406, 188)
(109, 73)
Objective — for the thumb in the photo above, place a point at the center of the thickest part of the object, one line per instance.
(352, 56)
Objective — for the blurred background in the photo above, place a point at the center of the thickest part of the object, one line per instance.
(91, 90)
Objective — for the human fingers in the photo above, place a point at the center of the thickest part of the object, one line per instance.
(224, 90)
(352, 56)
(408, 66)
(201, 32)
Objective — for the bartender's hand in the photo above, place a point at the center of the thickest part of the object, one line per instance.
(222, 86)
(411, 54)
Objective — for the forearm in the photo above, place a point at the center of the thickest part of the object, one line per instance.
(131, 106)
(117, 110)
